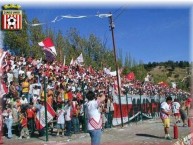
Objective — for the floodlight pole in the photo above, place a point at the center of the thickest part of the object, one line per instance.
(112, 26)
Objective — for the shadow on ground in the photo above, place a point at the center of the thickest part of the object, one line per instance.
(149, 135)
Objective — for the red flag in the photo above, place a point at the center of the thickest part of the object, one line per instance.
(48, 46)
(163, 84)
(90, 69)
(3, 89)
(130, 76)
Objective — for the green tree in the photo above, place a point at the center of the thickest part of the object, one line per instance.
(60, 46)
(36, 35)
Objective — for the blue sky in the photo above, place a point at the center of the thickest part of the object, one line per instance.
(147, 33)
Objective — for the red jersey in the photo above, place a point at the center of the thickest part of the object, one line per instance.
(30, 113)
(24, 122)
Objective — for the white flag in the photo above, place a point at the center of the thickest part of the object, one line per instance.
(64, 62)
(80, 59)
(72, 62)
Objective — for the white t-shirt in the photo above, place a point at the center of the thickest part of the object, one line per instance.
(23, 101)
(60, 119)
(28, 73)
(68, 113)
(165, 106)
(93, 115)
(9, 77)
(15, 73)
(176, 107)
(21, 72)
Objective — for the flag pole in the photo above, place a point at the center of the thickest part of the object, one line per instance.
(112, 26)
(45, 105)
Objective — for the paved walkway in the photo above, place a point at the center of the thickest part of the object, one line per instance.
(149, 132)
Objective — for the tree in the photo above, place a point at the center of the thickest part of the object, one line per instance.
(60, 46)
(36, 35)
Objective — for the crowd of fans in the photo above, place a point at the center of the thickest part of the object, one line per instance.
(65, 90)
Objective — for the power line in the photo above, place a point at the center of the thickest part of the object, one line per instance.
(117, 10)
(123, 9)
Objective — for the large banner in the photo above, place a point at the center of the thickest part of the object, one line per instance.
(130, 106)
(40, 119)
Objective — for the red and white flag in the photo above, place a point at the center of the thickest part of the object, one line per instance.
(3, 89)
(48, 45)
(11, 19)
(40, 120)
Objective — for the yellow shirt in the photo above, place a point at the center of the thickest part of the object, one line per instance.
(25, 87)
(65, 96)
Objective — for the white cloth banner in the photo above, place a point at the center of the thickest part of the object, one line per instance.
(59, 18)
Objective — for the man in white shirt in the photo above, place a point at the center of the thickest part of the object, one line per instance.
(21, 71)
(9, 77)
(16, 73)
(68, 109)
(165, 116)
(23, 100)
(60, 120)
(94, 117)
(176, 110)
(34, 92)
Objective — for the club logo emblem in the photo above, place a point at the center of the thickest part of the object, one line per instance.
(11, 17)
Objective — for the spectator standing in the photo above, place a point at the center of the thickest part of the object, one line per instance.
(31, 117)
(94, 117)
(24, 130)
(23, 100)
(25, 88)
(183, 114)
(12, 90)
(176, 110)
(187, 104)
(68, 118)
(16, 74)
(9, 76)
(15, 118)
(60, 120)
(165, 116)
(8, 120)
(75, 114)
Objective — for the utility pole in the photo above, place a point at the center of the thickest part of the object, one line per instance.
(45, 105)
(112, 26)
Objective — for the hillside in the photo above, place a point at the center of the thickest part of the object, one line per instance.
(168, 74)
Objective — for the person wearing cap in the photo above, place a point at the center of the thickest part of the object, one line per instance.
(94, 117)
(165, 116)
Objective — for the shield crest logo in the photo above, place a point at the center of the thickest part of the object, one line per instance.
(11, 17)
